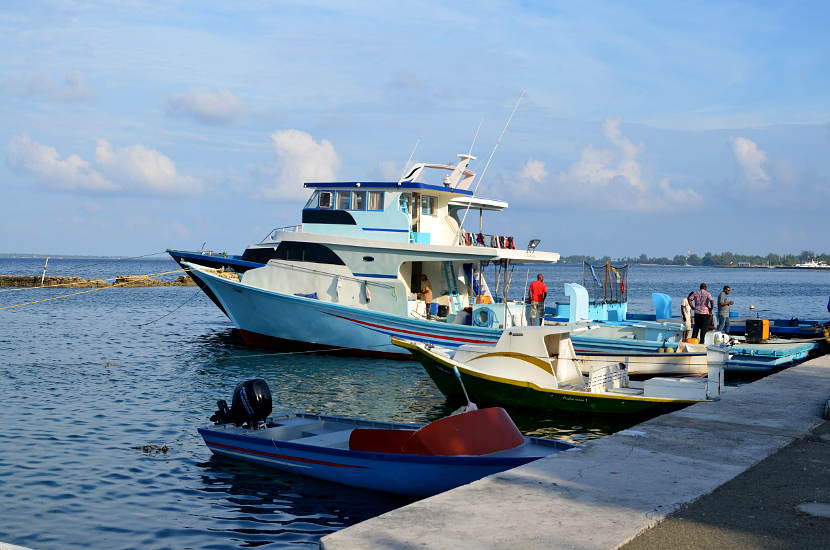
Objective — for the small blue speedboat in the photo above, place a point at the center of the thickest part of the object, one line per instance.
(407, 459)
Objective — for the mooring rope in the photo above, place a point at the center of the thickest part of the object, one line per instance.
(149, 275)
(60, 285)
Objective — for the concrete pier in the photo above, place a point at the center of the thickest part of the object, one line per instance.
(614, 488)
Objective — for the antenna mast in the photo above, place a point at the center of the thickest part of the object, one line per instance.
(492, 153)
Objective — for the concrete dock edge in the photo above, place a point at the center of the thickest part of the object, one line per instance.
(603, 495)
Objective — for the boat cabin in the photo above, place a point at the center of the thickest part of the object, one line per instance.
(370, 245)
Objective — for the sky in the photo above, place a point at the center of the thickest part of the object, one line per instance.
(132, 126)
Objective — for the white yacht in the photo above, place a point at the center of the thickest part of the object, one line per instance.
(351, 274)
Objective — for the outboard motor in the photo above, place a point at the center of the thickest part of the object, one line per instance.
(251, 404)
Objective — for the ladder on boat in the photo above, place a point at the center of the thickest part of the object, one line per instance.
(452, 287)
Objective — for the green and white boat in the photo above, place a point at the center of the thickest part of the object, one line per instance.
(536, 367)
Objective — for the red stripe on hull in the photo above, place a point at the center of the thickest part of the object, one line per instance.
(282, 344)
(284, 457)
(426, 334)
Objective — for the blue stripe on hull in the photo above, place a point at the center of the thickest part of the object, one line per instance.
(412, 475)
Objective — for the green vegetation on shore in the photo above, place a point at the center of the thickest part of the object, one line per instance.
(708, 259)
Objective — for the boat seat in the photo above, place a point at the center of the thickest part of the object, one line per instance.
(326, 439)
(625, 391)
(379, 440)
(478, 432)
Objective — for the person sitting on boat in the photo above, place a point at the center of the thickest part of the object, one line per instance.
(723, 309)
(686, 315)
(702, 302)
(536, 294)
(425, 293)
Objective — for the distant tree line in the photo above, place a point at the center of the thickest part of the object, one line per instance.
(708, 259)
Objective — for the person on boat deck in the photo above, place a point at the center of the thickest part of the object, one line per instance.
(686, 315)
(536, 294)
(425, 293)
(723, 309)
(702, 301)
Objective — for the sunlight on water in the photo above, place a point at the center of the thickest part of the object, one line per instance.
(99, 447)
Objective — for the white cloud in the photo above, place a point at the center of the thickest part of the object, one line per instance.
(43, 163)
(601, 167)
(609, 178)
(219, 107)
(143, 170)
(533, 171)
(73, 87)
(134, 169)
(300, 159)
(751, 161)
(685, 197)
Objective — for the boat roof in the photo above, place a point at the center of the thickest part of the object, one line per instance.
(480, 203)
(384, 185)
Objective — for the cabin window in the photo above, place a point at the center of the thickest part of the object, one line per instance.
(359, 200)
(325, 199)
(428, 205)
(312, 200)
(375, 200)
(344, 200)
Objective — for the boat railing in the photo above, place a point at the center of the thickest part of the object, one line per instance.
(272, 235)
(486, 240)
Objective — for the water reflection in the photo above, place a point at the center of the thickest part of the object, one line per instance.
(264, 506)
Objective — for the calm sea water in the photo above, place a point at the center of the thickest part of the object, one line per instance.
(95, 385)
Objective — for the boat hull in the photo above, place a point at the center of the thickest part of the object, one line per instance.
(295, 323)
(284, 321)
(484, 389)
(404, 474)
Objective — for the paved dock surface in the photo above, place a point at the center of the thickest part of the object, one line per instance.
(759, 508)
(615, 488)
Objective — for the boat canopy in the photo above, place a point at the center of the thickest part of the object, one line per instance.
(479, 203)
(386, 185)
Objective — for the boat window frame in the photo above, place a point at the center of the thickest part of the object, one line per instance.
(430, 200)
(330, 195)
(380, 201)
(347, 194)
(355, 195)
(312, 200)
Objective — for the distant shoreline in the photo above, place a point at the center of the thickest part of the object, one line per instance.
(7, 256)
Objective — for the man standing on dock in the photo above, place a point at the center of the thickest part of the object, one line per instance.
(703, 303)
(723, 309)
(536, 295)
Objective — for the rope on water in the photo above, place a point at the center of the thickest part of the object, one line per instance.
(85, 291)
(189, 299)
(87, 265)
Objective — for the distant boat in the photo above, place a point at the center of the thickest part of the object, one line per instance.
(812, 264)
(405, 459)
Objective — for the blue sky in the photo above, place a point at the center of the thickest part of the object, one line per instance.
(132, 126)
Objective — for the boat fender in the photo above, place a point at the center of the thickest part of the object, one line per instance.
(484, 317)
